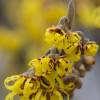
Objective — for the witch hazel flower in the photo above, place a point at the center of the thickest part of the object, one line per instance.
(57, 74)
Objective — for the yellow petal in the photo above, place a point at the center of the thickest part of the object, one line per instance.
(10, 96)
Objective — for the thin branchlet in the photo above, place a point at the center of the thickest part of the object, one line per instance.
(71, 12)
(66, 22)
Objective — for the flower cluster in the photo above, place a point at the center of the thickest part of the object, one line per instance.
(58, 73)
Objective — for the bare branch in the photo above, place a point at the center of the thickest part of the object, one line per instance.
(66, 22)
(71, 12)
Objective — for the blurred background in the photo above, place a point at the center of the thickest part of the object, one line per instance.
(22, 28)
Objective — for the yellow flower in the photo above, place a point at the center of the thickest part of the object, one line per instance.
(61, 40)
(91, 48)
(42, 66)
(54, 36)
(31, 86)
(14, 84)
(36, 64)
(17, 82)
(71, 41)
(48, 81)
(63, 67)
(75, 55)
(52, 75)
(56, 95)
